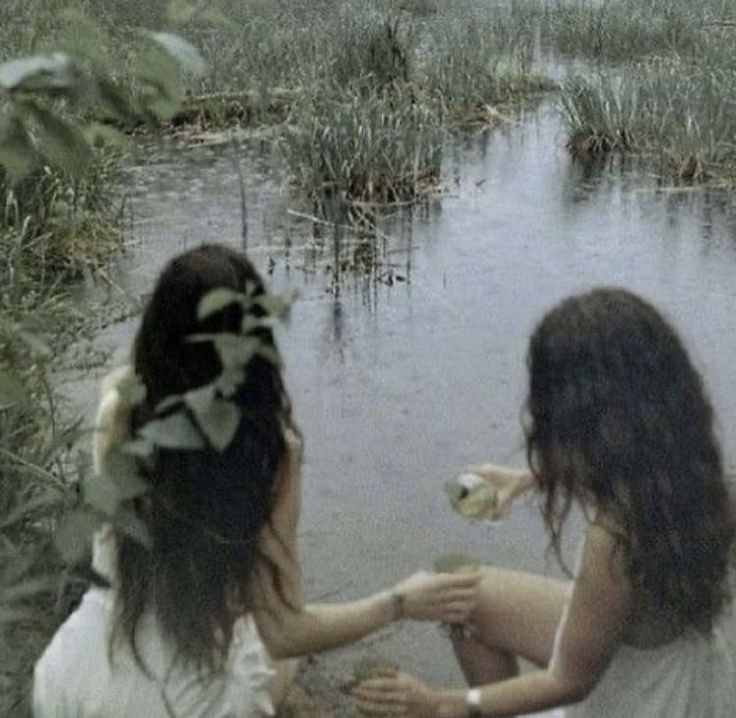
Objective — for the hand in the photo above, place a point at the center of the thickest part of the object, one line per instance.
(403, 696)
(508, 483)
(440, 597)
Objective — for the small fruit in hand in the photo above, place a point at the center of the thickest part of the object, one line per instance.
(456, 563)
(472, 497)
(369, 667)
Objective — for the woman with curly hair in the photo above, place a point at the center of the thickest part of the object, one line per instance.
(618, 423)
(198, 620)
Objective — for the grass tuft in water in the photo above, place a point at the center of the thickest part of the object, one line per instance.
(374, 147)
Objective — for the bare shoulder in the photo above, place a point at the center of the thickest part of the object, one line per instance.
(602, 557)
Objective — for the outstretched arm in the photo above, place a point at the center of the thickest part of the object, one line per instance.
(290, 631)
(291, 628)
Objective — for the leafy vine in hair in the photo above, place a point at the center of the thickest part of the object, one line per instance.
(203, 417)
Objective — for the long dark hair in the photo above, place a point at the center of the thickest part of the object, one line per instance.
(618, 419)
(205, 509)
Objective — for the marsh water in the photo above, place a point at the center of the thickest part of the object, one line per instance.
(417, 366)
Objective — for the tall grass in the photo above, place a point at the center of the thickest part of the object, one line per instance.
(33, 492)
(680, 113)
(629, 29)
(373, 51)
(474, 66)
(374, 147)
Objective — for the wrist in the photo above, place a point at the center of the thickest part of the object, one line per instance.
(392, 606)
(452, 704)
(523, 480)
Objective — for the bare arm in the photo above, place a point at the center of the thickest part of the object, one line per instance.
(291, 628)
(589, 635)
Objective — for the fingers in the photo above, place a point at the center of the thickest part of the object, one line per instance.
(380, 697)
(457, 581)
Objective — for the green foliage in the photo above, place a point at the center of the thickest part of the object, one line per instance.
(53, 176)
(201, 418)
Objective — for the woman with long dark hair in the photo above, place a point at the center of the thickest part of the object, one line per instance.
(198, 619)
(618, 424)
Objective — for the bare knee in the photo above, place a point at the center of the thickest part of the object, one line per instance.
(481, 663)
(518, 613)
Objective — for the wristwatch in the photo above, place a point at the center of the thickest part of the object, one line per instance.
(472, 699)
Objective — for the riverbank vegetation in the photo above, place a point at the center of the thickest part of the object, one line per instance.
(360, 97)
(58, 222)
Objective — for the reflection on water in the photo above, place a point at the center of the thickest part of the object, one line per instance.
(398, 382)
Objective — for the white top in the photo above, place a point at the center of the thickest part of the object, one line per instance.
(691, 676)
(77, 677)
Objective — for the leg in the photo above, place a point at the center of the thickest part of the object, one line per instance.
(281, 683)
(516, 616)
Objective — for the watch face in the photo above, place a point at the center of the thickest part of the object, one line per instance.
(473, 701)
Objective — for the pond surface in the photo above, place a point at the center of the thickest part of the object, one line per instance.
(397, 385)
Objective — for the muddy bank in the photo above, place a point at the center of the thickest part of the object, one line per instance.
(396, 385)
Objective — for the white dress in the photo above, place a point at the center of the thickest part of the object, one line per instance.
(690, 677)
(77, 677)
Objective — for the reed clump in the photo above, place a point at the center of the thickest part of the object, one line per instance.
(678, 113)
(373, 147)
(374, 51)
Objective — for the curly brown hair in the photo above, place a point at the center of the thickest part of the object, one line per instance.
(619, 420)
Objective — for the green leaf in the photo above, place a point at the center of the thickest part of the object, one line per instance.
(12, 390)
(251, 323)
(142, 448)
(74, 534)
(270, 354)
(274, 305)
(200, 400)
(82, 37)
(157, 70)
(180, 12)
(186, 55)
(219, 423)
(116, 100)
(234, 350)
(39, 73)
(17, 153)
(131, 390)
(230, 380)
(216, 300)
(62, 143)
(101, 135)
(117, 482)
(169, 403)
(129, 523)
(173, 432)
